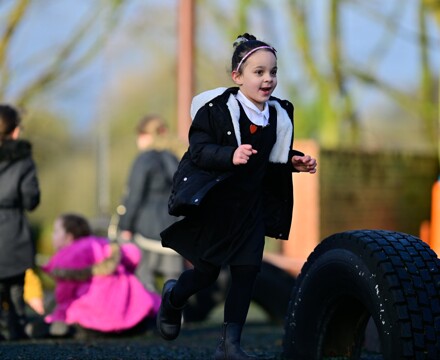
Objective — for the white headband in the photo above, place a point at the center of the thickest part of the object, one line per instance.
(251, 52)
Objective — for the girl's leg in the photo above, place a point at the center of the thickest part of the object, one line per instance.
(236, 310)
(174, 297)
(240, 293)
(190, 282)
(170, 266)
(17, 316)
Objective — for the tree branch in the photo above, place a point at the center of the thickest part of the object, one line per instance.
(13, 21)
(60, 68)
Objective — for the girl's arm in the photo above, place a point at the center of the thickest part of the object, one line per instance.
(210, 148)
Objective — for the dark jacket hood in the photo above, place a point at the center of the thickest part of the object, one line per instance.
(13, 150)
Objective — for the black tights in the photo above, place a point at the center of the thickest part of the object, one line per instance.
(11, 293)
(239, 295)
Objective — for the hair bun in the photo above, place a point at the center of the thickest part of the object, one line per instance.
(242, 39)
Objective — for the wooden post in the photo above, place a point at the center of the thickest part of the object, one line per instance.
(185, 67)
(305, 231)
(425, 230)
(434, 239)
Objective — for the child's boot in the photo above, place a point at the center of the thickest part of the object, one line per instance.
(169, 318)
(229, 345)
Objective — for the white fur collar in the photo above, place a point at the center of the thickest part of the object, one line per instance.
(280, 151)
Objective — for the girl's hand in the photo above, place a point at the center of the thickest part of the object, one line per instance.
(304, 163)
(242, 154)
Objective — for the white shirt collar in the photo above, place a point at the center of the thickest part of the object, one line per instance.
(254, 114)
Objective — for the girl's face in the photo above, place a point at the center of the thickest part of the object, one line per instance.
(60, 238)
(258, 77)
(143, 141)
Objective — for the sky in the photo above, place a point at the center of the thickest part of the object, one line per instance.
(48, 26)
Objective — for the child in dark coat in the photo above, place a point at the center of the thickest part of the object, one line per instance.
(234, 187)
(19, 192)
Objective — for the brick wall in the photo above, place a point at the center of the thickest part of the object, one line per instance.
(361, 190)
(354, 190)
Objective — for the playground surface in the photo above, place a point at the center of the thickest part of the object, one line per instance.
(196, 341)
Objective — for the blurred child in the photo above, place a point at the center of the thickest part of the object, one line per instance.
(145, 208)
(19, 192)
(95, 285)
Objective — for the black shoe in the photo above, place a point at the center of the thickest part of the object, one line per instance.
(169, 317)
(37, 329)
(229, 346)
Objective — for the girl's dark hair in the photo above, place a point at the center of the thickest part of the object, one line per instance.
(76, 225)
(9, 120)
(242, 45)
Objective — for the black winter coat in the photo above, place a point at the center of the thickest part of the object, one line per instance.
(208, 162)
(147, 193)
(19, 191)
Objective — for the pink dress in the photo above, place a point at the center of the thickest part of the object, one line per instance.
(96, 287)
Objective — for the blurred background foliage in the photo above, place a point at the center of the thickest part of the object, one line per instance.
(84, 72)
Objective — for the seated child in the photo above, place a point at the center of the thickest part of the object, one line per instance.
(95, 285)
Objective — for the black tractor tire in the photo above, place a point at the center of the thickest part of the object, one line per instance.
(351, 277)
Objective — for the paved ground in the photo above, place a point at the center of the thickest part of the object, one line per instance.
(195, 342)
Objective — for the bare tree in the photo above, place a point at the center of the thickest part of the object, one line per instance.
(339, 124)
(65, 61)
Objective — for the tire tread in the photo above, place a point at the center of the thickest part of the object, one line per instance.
(407, 269)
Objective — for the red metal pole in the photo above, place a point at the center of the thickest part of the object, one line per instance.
(185, 68)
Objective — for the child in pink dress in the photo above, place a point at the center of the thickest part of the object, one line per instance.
(96, 288)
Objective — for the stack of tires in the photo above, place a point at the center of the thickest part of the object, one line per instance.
(357, 276)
